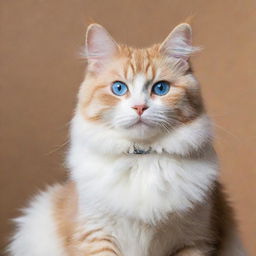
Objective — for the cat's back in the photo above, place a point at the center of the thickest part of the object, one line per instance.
(39, 229)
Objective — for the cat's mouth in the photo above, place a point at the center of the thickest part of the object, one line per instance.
(140, 123)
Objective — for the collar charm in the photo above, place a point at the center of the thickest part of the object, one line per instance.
(139, 151)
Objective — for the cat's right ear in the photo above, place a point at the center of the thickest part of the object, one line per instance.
(100, 47)
(178, 43)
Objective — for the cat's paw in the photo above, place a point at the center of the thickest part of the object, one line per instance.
(190, 252)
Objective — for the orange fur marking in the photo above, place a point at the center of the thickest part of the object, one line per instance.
(104, 249)
(92, 94)
(108, 99)
(125, 65)
(65, 213)
(86, 235)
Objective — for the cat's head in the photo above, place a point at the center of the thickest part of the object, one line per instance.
(139, 93)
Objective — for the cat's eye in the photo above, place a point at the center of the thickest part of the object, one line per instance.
(119, 88)
(161, 88)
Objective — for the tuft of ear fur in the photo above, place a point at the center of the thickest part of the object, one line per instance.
(100, 47)
(178, 43)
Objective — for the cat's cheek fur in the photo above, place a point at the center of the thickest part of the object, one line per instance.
(188, 138)
(182, 141)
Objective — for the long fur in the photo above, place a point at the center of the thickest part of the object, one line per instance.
(165, 202)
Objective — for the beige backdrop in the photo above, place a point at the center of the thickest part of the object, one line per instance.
(40, 72)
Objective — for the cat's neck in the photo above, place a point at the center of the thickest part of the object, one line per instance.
(176, 173)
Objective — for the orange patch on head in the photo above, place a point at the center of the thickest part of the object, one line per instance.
(186, 103)
(174, 96)
(108, 100)
(139, 61)
(94, 102)
(88, 96)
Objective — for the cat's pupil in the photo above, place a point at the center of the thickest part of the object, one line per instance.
(160, 87)
(119, 87)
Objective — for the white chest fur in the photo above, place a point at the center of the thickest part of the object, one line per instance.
(147, 187)
(130, 194)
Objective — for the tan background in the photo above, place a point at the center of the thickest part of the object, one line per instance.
(40, 73)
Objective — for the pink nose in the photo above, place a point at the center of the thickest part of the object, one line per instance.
(140, 109)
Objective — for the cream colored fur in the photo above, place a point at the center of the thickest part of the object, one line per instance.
(164, 203)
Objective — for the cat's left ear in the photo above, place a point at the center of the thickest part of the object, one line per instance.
(178, 43)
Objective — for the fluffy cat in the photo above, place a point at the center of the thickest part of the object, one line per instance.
(143, 171)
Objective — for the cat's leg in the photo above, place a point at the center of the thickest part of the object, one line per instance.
(81, 236)
(229, 246)
(191, 251)
(94, 242)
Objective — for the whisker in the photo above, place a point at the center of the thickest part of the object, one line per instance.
(226, 131)
(59, 147)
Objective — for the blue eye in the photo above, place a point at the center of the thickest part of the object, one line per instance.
(161, 88)
(119, 88)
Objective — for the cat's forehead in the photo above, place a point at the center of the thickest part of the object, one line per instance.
(148, 64)
(140, 62)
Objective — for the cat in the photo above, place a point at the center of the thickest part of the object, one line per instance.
(143, 170)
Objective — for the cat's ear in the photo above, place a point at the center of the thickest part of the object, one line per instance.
(178, 43)
(100, 47)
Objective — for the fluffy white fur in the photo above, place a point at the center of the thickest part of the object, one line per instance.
(120, 191)
(147, 187)
(130, 188)
(153, 204)
(36, 233)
